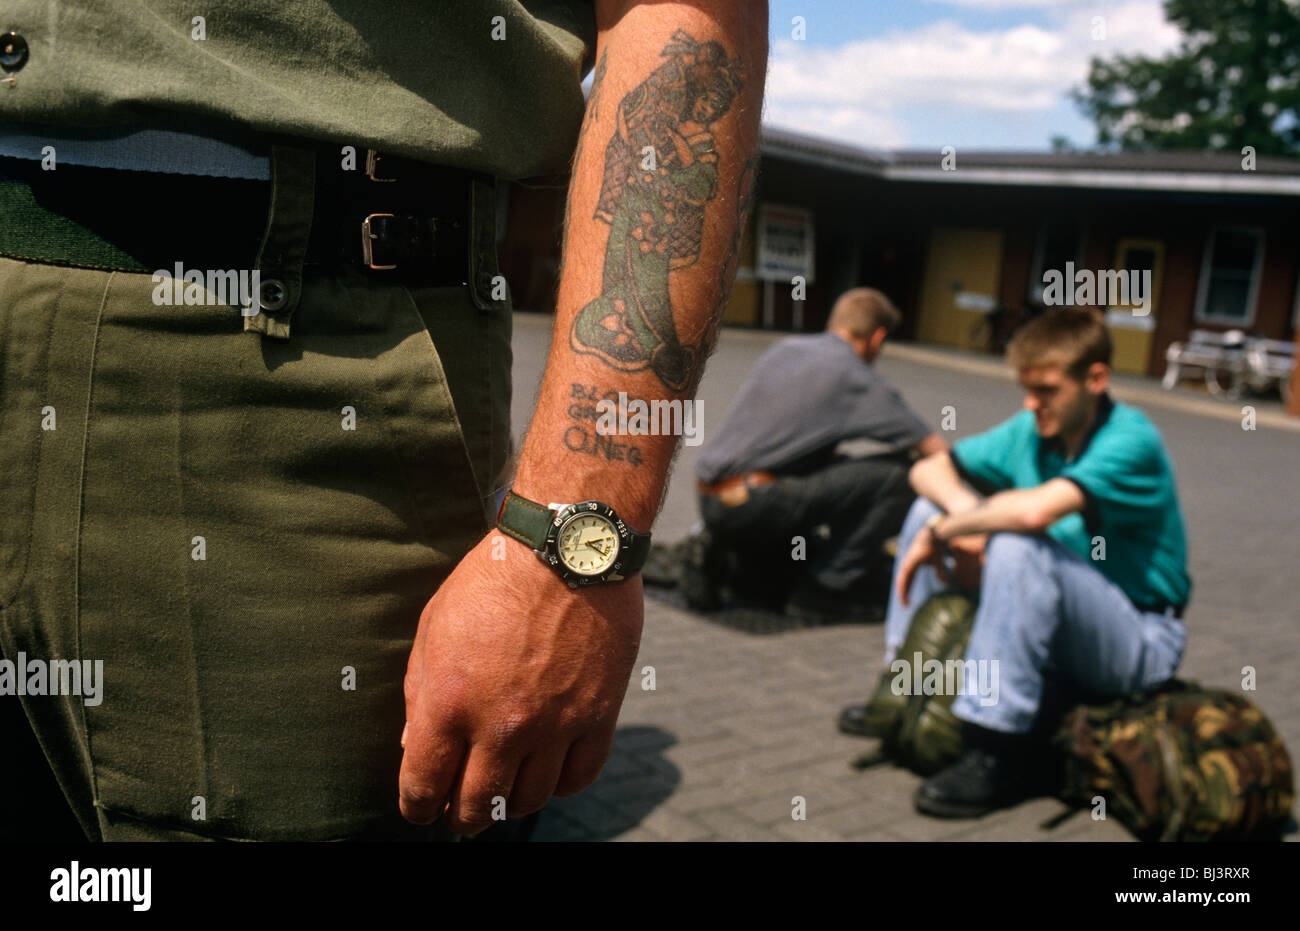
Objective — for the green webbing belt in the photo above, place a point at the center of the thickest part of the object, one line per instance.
(32, 233)
(128, 221)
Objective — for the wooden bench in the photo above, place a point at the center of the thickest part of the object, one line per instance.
(1272, 358)
(1231, 362)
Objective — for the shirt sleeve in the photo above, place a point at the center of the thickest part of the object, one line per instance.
(1123, 476)
(984, 460)
(882, 414)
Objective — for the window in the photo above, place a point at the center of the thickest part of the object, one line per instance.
(1058, 243)
(1230, 276)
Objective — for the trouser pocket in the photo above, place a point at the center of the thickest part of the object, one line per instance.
(48, 321)
(469, 349)
(256, 530)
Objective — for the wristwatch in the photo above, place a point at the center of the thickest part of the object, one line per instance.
(930, 524)
(584, 543)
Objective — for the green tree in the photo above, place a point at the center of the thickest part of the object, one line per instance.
(1234, 81)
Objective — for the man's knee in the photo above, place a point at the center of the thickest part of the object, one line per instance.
(922, 509)
(895, 497)
(895, 481)
(901, 495)
(1017, 551)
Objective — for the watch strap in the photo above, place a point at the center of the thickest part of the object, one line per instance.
(638, 552)
(530, 522)
(526, 521)
(930, 523)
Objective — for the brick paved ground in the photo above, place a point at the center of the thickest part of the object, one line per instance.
(739, 724)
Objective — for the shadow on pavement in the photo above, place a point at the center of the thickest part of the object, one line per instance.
(637, 779)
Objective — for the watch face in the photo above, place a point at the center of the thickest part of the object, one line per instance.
(588, 543)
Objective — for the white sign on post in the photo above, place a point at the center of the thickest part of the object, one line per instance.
(785, 243)
(970, 300)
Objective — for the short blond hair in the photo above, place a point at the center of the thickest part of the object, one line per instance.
(862, 311)
(1073, 337)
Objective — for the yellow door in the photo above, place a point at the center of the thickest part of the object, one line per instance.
(962, 275)
(1132, 327)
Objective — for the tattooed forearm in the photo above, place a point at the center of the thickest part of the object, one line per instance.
(660, 173)
(664, 178)
(584, 400)
(585, 435)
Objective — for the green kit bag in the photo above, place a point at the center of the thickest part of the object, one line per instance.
(1185, 764)
(918, 730)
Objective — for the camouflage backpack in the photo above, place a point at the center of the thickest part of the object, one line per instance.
(1186, 764)
(919, 730)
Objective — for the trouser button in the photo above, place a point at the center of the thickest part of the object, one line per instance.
(273, 294)
(13, 51)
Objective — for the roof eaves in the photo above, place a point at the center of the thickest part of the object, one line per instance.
(1159, 172)
(811, 150)
(1122, 179)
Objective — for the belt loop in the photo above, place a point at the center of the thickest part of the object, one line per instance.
(284, 245)
(483, 268)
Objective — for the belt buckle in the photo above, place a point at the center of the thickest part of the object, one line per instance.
(372, 164)
(734, 496)
(367, 242)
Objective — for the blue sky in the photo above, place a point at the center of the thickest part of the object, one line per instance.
(918, 74)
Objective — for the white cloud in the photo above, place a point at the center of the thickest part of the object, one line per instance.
(857, 125)
(862, 91)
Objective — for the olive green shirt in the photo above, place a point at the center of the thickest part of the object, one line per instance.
(489, 85)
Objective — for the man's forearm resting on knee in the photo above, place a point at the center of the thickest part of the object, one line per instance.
(934, 477)
(1018, 510)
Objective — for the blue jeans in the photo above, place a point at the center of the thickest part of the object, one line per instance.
(1042, 611)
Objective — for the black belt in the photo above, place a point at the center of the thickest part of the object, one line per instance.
(394, 219)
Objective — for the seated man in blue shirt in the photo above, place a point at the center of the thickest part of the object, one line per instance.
(1078, 553)
(770, 474)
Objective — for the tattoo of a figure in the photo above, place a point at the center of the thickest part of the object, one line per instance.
(660, 173)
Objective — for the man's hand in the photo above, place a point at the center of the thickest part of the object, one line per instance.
(968, 560)
(924, 550)
(513, 688)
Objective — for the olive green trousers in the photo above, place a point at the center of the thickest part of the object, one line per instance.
(244, 531)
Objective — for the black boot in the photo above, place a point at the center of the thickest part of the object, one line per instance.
(855, 721)
(702, 567)
(821, 605)
(991, 773)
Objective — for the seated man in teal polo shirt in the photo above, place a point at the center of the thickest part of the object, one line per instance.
(1073, 537)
